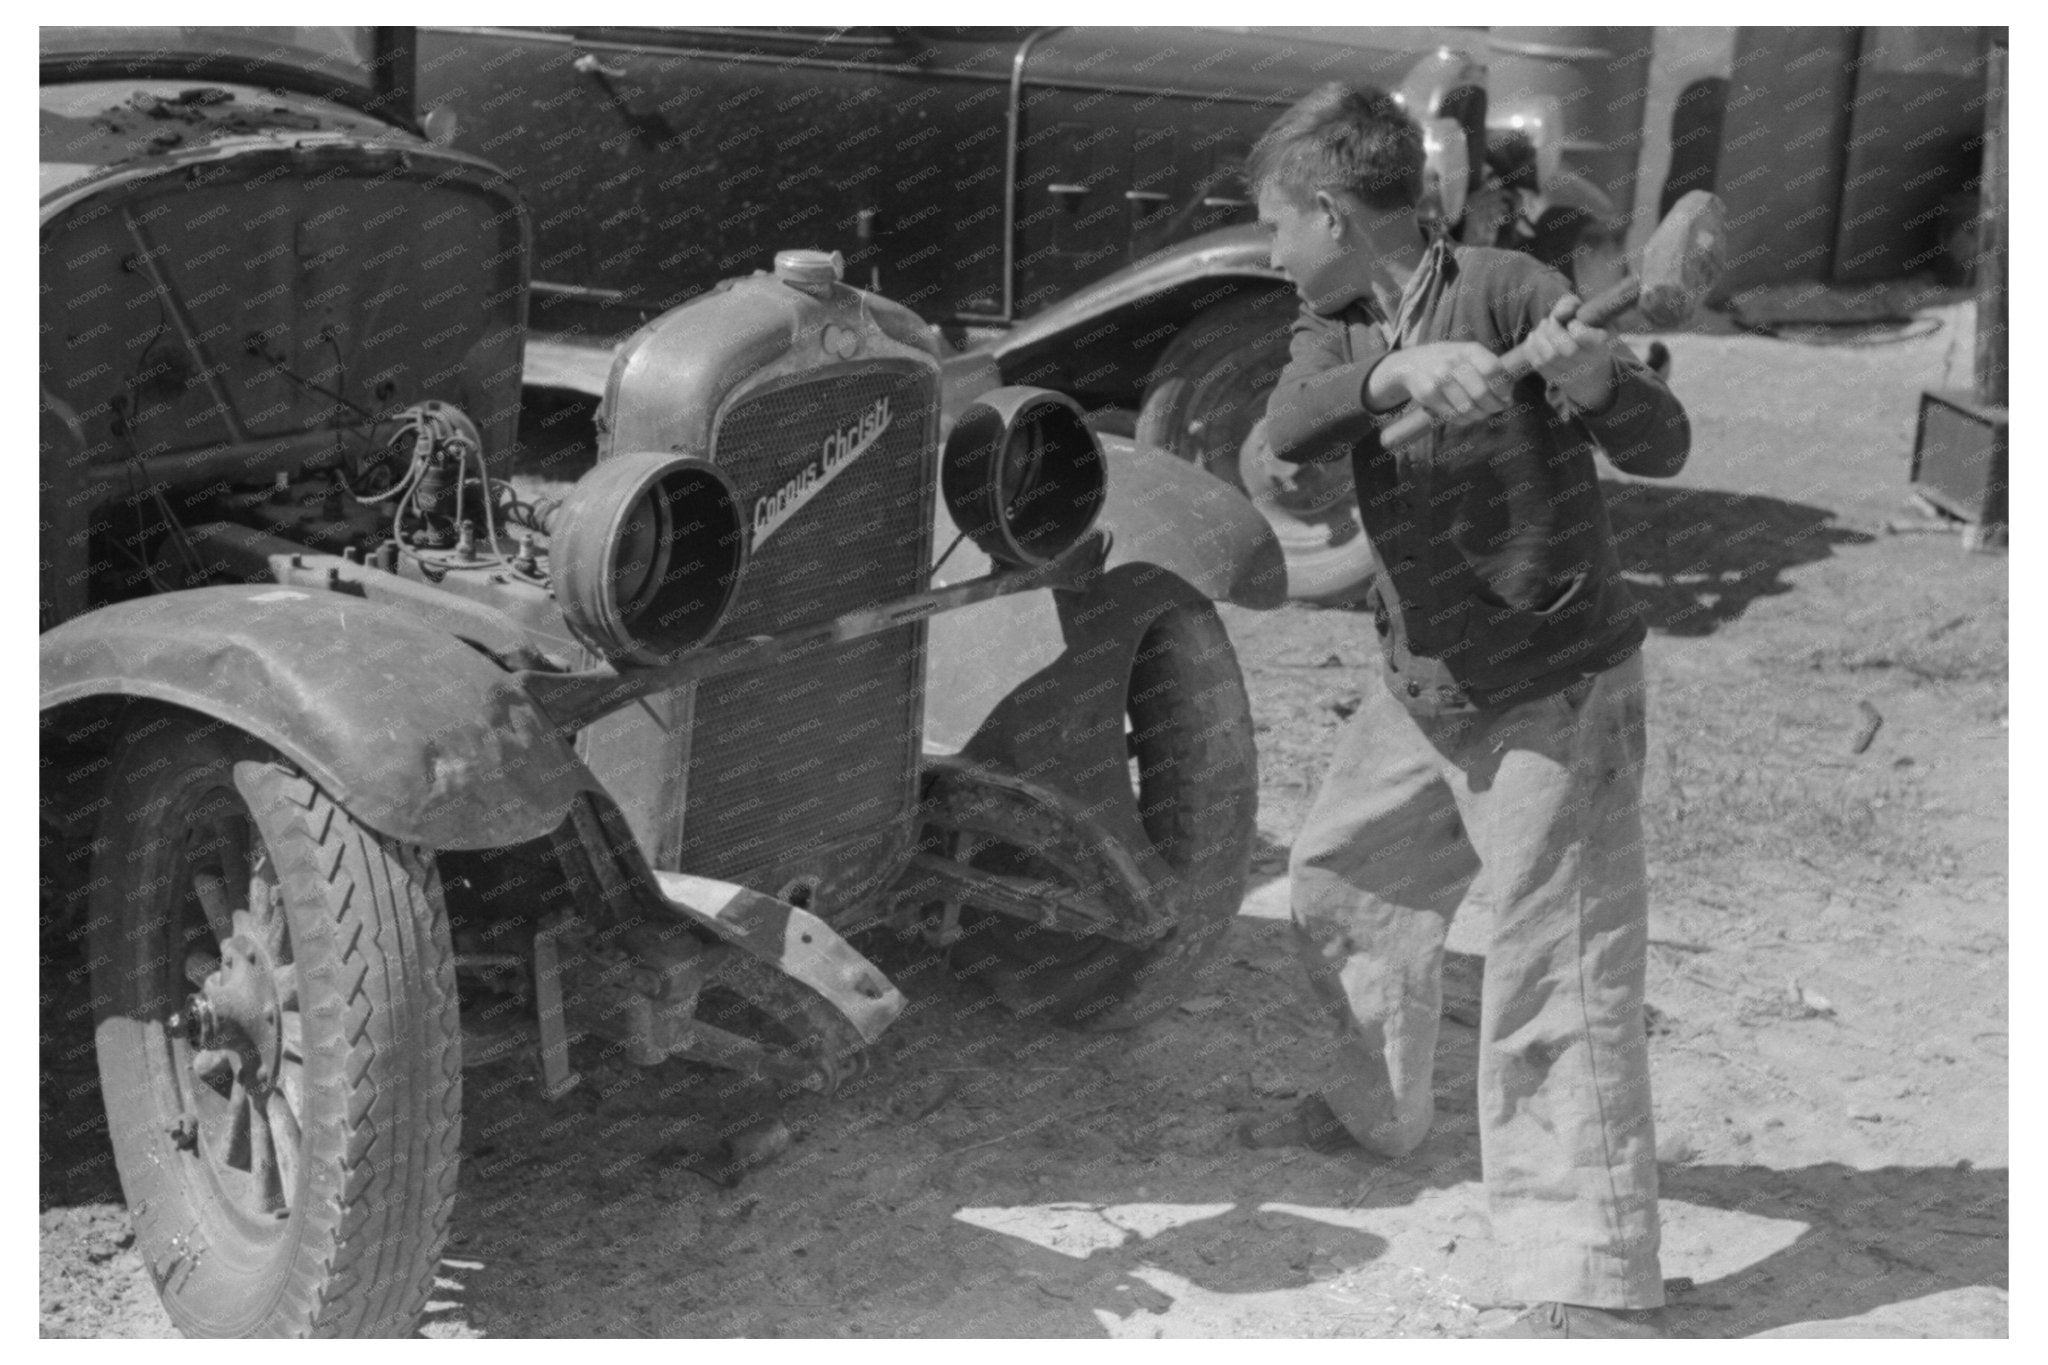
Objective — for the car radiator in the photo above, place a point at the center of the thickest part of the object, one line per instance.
(812, 751)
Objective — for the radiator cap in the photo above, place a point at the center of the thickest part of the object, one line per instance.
(813, 272)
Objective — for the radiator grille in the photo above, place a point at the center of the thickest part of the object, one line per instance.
(817, 748)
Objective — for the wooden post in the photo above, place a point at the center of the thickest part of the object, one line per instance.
(1960, 450)
(1991, 242)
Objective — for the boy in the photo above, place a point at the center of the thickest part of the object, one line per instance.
(1503, 756)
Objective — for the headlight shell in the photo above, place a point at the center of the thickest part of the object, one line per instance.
(647, 552)
(1023, 475)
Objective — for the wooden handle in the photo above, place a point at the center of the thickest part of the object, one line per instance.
(1602, 309)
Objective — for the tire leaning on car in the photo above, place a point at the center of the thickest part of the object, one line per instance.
(277, 1030)
(1203, 402)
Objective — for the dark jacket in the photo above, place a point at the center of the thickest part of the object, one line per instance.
(1498, 582)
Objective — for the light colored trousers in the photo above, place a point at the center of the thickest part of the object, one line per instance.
(1534, 810)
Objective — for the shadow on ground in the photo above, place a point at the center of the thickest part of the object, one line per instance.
(994, 1177)
(1697, 557)
(1873, 1238)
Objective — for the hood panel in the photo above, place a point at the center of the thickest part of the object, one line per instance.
(278, 287)
(89, 126)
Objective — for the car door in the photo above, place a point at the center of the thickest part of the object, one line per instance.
(657, 161)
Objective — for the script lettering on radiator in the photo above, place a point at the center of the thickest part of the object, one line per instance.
(835, 453)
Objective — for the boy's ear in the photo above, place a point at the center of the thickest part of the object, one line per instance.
(1332, 213)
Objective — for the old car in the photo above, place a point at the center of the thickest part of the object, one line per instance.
(1066, 203)
(337, 721)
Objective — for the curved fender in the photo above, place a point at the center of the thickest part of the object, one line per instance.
(1165, 511)
(413, 732)
(1232, 253)
(1063, 727)
(1162, 513)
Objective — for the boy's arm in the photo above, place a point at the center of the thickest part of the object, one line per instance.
(1642, 426)
(1318, 409)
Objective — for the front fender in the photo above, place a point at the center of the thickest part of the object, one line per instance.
(1165, 511)
(1063, 725)
(1161, 513)
(414, 733)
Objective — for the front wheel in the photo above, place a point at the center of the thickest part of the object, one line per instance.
(1205, 402)
(1194, 774)
(277, 1032)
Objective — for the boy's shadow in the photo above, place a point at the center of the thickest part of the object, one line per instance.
(1695, 558)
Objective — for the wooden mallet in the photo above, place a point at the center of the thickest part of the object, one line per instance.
(1681, 262)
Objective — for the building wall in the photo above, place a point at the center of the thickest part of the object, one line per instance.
(1914, 150)
(1783, 152)
(1844, 153)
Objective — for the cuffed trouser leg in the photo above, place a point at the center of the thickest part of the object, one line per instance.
(1551, 797)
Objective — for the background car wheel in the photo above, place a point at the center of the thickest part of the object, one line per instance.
(276, 1023)
(1212, 381)
(1314, 516)
(1196, 779)
(1204, 402)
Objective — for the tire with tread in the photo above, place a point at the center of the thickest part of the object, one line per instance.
(347, 1240)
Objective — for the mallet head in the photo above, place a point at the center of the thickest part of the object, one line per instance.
(1683, 259)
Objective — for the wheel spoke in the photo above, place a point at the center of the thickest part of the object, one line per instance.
(264, 1177)
(292, 1084)
(284, 1131)
(284, 980)
(266, 907)
(235, 1150)
(213, 1066)
(212, 890)
(200, 963)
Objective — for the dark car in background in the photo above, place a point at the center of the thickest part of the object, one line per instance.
(977, 175)
(1067, 203)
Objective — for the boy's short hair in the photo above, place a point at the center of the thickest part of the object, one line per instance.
(1341, 137)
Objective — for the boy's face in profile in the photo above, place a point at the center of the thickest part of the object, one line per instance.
(1303, 245)
(1325, 245)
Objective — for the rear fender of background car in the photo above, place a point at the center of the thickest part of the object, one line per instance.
(416, 734)
(1104, 338)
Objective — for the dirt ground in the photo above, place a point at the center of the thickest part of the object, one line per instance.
(1828, 982)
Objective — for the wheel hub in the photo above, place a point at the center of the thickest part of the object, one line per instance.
(235, 1020)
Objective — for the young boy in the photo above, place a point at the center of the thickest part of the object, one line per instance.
(1502, 759)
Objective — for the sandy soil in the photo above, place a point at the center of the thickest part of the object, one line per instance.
(1828, 981)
